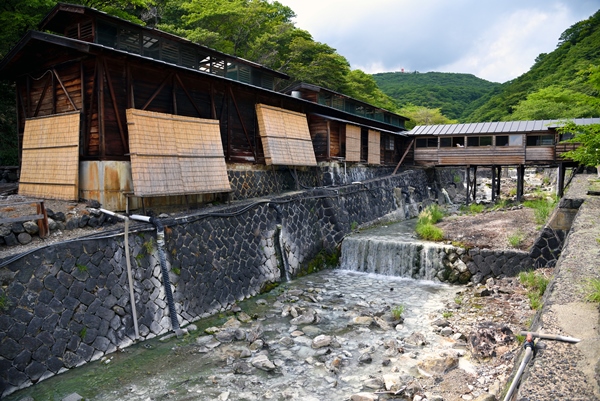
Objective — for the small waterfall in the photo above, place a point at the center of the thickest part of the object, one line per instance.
(393, 256)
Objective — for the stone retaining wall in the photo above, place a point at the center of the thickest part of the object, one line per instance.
(68, 304)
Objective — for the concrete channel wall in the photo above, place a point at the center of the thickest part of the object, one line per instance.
(68, 304)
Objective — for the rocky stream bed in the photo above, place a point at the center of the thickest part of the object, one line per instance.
(330, 336)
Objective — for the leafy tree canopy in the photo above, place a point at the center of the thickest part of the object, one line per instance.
(420, 115)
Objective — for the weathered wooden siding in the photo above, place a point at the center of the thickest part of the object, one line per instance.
(484, 155)
(539, 154)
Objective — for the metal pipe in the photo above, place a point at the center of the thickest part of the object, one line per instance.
(160, 242)
(551, 337)
(129, 274)
(515, 382)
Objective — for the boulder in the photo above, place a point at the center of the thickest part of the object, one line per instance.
(31, 227)
(363, 397)
(262, 362)
(438, 365)
(321, 341)
(362, 320)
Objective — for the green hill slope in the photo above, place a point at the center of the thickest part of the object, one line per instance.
(565, 69)
(453, 93)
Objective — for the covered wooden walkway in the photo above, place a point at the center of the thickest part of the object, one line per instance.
(495, 145)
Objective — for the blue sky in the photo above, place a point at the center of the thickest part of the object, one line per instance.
(497, 40)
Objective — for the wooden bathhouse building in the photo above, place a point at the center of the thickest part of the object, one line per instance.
(109, 109)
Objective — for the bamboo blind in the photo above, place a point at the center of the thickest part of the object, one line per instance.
(285, 137)
(352, 143)
(50, 160)
(374, 156)
(175, 155)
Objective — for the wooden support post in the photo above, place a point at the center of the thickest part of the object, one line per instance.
(560, 180)
(520, 180)
(498, 176)
(474, 183)
(493, 183)
(468, 183)
(43, 222)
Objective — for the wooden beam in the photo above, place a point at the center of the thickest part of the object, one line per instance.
(328, 140)
(91, 109)
(162, 85)
(468, 183)
(474, 183)
(116, 107)
(404, 155)
(42, 96)
(493, 183)
(174, 95)
(64, 90)
(190, 96)
(560, 180)
(498, 181)
(101, 136)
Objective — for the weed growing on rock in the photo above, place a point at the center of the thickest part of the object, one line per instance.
(4, 302)
(81, 268)
(593, 290)
(397, 311)
(536, 284)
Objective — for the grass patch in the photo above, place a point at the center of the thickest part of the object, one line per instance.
(536, 284)
(516, 239)
(447, 314)
(541, 208)
(429, 232)
(354, 225)
(593, 290)
(458, 300)
(397, 311)
(425, 223)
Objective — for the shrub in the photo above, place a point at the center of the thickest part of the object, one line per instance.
(475, 208)
(432, 214)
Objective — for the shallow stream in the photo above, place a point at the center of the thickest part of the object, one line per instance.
(191, 369)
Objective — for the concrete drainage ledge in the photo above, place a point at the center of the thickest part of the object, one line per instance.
(561, 370)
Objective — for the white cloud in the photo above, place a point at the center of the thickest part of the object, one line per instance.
(497, 41)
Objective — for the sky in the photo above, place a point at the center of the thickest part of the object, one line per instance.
(497, 40)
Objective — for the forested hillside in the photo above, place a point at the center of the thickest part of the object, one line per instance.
(559, 85)
(452, 93)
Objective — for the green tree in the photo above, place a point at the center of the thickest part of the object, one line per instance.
(363, 87)
(555, 102)
(420, 115)
(230, 26)
(588, 138)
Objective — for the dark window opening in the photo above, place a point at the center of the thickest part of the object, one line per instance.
(421, 143)
(502, 140)
(432, 142)
(458, 142)
(540, 140)
(445, 142)
(107, 34)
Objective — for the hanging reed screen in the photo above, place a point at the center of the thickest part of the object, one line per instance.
(175, 155)
(352, 143)
(285, 137)
(50, 161)
(374, 156)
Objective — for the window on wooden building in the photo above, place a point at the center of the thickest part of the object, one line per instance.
(427, 143)
(540, 140)
(389, 143)
(129, 40)
(458, 142)
(445, 142)
(107, 34)
(509, 140)
(479, 141)
(150, 46)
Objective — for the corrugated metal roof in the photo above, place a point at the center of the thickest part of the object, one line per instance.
(496, 127)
